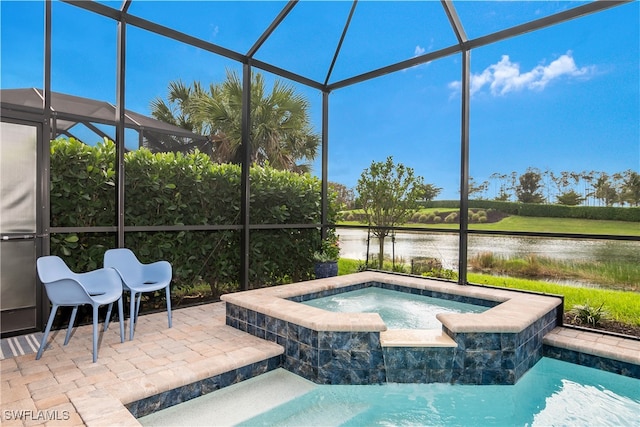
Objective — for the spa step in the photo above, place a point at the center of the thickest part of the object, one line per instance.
(415, 338)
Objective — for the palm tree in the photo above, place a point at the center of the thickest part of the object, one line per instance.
(177, 112)
(280, 134)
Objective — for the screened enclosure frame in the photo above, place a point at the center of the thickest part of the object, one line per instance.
(464, 46)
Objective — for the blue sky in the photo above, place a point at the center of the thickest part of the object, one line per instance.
(565, 98)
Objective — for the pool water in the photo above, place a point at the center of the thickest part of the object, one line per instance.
(551, 393)
(399, 310)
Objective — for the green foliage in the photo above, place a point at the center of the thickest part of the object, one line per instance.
(184, 189)
(389, 194)
(441, 273)
(621, 305)
(281, 132)
(570, 198)
(588, 314)
(610, 213)
(82, 184)
(619, 274)
(530, 188)
(329, 248)
(452, 217)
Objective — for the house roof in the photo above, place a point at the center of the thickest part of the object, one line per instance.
(69, 110)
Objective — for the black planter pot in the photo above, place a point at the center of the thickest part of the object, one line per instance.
(326, 269)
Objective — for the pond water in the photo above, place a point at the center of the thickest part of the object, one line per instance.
(444, 246)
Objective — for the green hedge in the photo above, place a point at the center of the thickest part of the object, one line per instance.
(631, 214)
(184, 189)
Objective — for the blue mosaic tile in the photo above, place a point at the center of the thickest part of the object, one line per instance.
(438, 376)
(497, 376)
(187, 392)
(415, 358)
(466, 376)
(360, 341)
(509, 359)
(308, 336)
(251, 317)
(341, 359)
(441, 358)
(359, 360)
(325, 357)
(508, 341)
(293, 331)
(292, 349)
(281, 327)
(376, 359)
(406, 375)
(308, 354)
(210, 384)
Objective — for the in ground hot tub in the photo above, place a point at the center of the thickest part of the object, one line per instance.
(398, 310)
(496, 346)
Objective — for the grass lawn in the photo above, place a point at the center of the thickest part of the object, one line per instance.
(539, 224)
(622, 306)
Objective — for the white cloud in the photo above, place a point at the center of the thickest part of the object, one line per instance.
(418, 51)
(506, 76)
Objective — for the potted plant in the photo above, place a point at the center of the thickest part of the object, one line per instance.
(326, 259)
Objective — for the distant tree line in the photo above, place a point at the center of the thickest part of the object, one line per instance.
(565, 188)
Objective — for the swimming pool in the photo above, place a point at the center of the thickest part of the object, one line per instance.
(551, 393)
(399, 310)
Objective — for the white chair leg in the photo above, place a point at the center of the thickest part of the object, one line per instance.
(169, 304)
(138, 305)
(46, 331)
(71, 322)
(132, 314)
(121, 319)
(106, 319)
(95, 333)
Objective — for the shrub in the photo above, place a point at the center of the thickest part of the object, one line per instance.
(485, 260)
(425, 265)
(184, 189)
(437, 219)
(588, 314)
(423, 218)
(452, 217)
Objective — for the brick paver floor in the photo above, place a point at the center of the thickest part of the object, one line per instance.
(64, 387)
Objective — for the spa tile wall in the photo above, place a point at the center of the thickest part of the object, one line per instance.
(319, 356)
(358, 358)
(499, 358)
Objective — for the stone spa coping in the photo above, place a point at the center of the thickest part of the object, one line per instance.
(514, 312)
